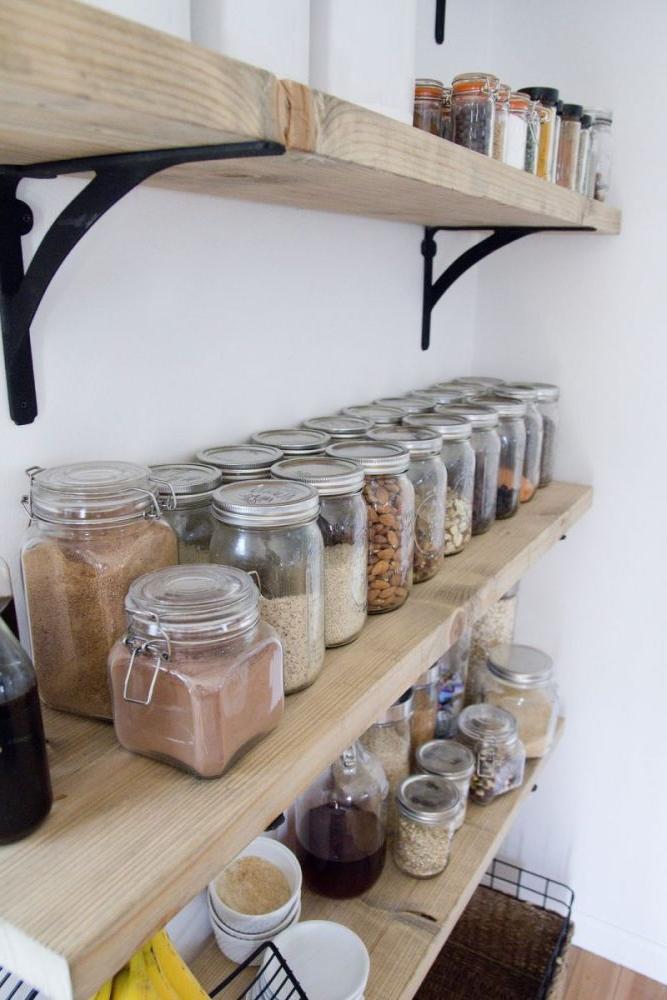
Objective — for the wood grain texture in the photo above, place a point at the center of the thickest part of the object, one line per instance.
(591, 977)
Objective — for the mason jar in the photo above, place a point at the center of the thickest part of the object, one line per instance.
(532, 460)
(295, 440)
(500, 758)
(429, 479)
(241, 461)
(94, 528)
(451, 760)
(407, 404)
(428, 807)
(520, 679)
(512, 434)
(185, 492)
(343, 523)
(493, 628)
(339, 427)
(269, 529)
(197, 677)
(453, 668)
(439, 396)
(425, 706)
(389, 740)
(547, 403)
(376, 414)
(486, 381)
(462, 391)
(486, 445)
(473, 111)
(390, 505)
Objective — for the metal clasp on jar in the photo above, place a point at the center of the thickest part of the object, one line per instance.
(160, 648)
(26, 500)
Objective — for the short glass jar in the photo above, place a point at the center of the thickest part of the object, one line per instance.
(520, 680)
(568, 146)
(340, 427)
(185, 492)
(532, 459)
(601, 154)
(425, 707)
(343, 523)
(295, 441)
(269, 529)
(520, 109)
(486, 445)
(375, 414)
(429, 479)
(512, 434)
(473, 111)
(428, 808)
(241, 461)
(446, 114)
(453, 667)
(495, 627)
(500, 122)
(451, 760)
(532, 138)
(94, 528)
(389, 740)
(197, 678)
(500, 758)
(390, 504)
(428, 105)
(406, 404)
(548, 100)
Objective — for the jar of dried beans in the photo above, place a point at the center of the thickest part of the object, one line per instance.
(295, 440)
(390, 504)
(425, 706)
(197, 678)
(494, 627)
(512, 434)
(486, 445)
(185, 492)
(473, 110)
(343, 525)
(520, 680)
(428, 105)
(500, 758)
(451, 760)
(241, 461)
(389, 740)
(94, 528)
(428, 807)
(269, 529)
(532, 459)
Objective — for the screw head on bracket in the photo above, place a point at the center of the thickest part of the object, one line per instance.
(25, 218)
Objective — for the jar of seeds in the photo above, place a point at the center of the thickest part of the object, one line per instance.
(389, 740)
(494, 627)
(512, 434)
(520, 680)
(486, 445)
(428, 807)
(339, 427)
(500, 757)
(425, 707)
(453, 666)
(241, 461)
(451, 760)
(295, 440)
(185, 492)
(473, 111)
(532, 460)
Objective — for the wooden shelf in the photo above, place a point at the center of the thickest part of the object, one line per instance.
(130, 840)
(403, 921)
(77, 81)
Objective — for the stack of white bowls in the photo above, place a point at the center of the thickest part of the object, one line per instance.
(239, 934)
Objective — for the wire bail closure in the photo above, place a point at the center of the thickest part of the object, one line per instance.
(146, 647)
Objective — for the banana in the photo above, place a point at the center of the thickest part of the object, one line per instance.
(174, 969)
(139, 986)
(104, 992)
(161, 985)
(119, 984)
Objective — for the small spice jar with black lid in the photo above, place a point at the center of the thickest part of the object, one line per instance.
(451, 760)
(428, 808)
(340, 427)
(520, 679)
(500, 758)
(568, 146)
(512, 434)
(295, 440)
(486, 445)
(186, 492)
(375, 413)
(532, 459)
(241, 461)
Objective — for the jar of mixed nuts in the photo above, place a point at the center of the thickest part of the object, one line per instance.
(295, 441)
(339, 427)
(390, 503)
(428, 808)
(547, 403)
(185, 492)
(241, 461)
(486, 445)
(491, 733)
(429, 479)
(453, 665)
(494, 627)
(451, 760)
(512, 434)
(389, 740)
(520, 680)
(375, 414)
(343, 523)
(425, 706)
(473, 110)
(428, 105)
(532, 460)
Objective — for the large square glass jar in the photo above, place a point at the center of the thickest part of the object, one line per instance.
(185, 491)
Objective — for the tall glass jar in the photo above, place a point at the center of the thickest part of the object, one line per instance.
(428, 807)
(532, 460)
(295, 441)
(548, 100)
(446, 113)
(428, 105)
(375, 413)
(429, 479)
(500, 758)
(473, 109)
(185, 492)
(568, 146)
(493, 628)
(94, 527)
(520, 680)
(407, 404)
(425, 707)
(500, 122)
(532, 138)
(547, 403)
(340, 427)
(520, 109)
(241, 461)
(269, 529)
(583, 154)
(486, 445)
(512, 434)
(453, 667)
(390, 504)
(451, 760)
(601, 153)
(343, 523)
(197, 678)
(389, 740)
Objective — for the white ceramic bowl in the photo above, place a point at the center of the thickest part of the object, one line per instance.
(261, 935)
(246, 923)
(238, 948)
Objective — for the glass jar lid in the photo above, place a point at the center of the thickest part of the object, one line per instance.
(425, 87)
(376, 414)
(331, 477)
(476, 414)
(429, 677)
(450, 427)
(471, 83)
(241, 460)
(446, 758)
(428, 798)
(545, 391)
(407, 404)
(522, 666)
(266, 503)
(185, 484)
(375, 457)
(295, 441)
(599, 115)
(114, 492)
(340, 426)
(519, 390)
(573, 112)
(487, 724)
(436, 395)
(462, 391)
(399, 711)
(420, 442)
(548, 96)
(520, 102)
(487, 380)
(504, 406)
(503, 93)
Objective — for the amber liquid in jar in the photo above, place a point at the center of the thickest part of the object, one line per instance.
(346, 850)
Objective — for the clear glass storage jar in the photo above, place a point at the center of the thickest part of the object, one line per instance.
(532, 137)
(532, 459)
(491, 629)
(197, 678)
(438, 396)
(428, 105)
(581, 185)
(185, 492)
(512, 434)
(295, 440)
(389, 740)
(520, 109)
(486, 445)
(548, 101)
(500, 122)
(547, 403)
(241, 461)
(343, 523)
(500, 757)
(520, 679)
(339, 427)
(451, 760)
(453, 667)
(94, 528)
(429, 479)
(446, 114)
(428, 807)
(425, 707)
(406, 404)
(568, 146)
(269, 529)
(473, 111)
(390, 504)
(601, 154)
(376, 414)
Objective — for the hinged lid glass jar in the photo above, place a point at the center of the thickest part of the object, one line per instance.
(473, 109)
(339, 427)
(500, 757)
(520, 680)
(389, 740)
(241, 461)
(548, 100)
(269, 528)
(512, 434)
(428, 105)
(295, 441)
(185, 491)
(451, 760)
(197, 678)
(428, 807)
(500, 122)
(343, 523)
(94, 528)
(532, 459)
(425, 706)
(376, 414)
(486, 445)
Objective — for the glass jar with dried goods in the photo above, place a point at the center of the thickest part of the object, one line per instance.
(428, 808)
(241, 461)
(568, 146)
(425, 706)
(428, 105)
(340, 427)
(532, 459)
(486, 445)
(512, 434)
(185, 492)
(94, 527)
(548, 100)
(453, 667)
(343, 523)
(601, 153)
(295, 440)
(494, 627)
(473, 108)
(532, 137)
(197, 678)
(583, 154)
(375, 413)
(446, 113)
(520, 680)
(547, 403)
(390, 504)
(451, 760)
(269, 529)
(500, 757)
(500, 122)
(389, 740)
(407, 404)
(520, 109)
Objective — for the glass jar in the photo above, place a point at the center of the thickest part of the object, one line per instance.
(375, 414)
(425, 707)
(295, 441)
(269, 529)
(389, 740)
(520, 680)
(532, 138)
(473, 108)
(390, 504)
(343, 524)
(339, 427)
(500, 122)
(512, 434)
(341, 829)
(568, 146)
(185, 493)
(532, 459)
(428, 807)
(486, 381)
(429, 479)
(493, 628)
(94, 528)
(462, 391)
(428, 105)
(583, 154)
(241, 461)
(500, 757)
(406, 404)
(548, 100)
(446, 113)
(197, 678)
(556, 140)
(547, 403)
(453, 667)
(520, 109)
(601, 153)
(451, 760)
(437, 396)
(486, 445)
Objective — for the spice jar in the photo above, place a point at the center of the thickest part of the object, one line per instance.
(425, 707)
(520, 109)
(197, 678)
(548, 100)
(520, 680)
(343, 524)
(241, 461)
(473, 107)
(428, 105)
(341, 830)
(500, 122)
(451, 760)
(407, 404)
(532, 137)
(453, 668)
(547, 403)
(486, 445)
(390, 504)
(601, 152)
(512, 434)
(269, 529)
(429, 479)
(185, 492)
(500, 757)
(532, 459)
(389, 740)
(94, 527)
(446, 113)
(295, 441)
(568, 146)
(339, 427)
(428, 807)
(583, 154)
(459, 461)
(375, 414)
(494, 627)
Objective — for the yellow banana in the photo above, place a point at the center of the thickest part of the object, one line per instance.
(161, 985)
(104, 992)
(139, 986)
(119, 984)
(174, 969)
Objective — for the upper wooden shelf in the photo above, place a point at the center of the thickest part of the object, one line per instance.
(76, 81)
(130, 841)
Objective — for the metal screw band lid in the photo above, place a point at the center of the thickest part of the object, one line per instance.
(295, 441)
(376, 414)
(429, 799)
(340, 426)
(446, 758)
(451, 428)
(400, 711)
(190, 484)
(487, 380)
(374, 457)
(407, 404)
(523, 666)
(435, 396)
(241, 460)
(545, 391)
(487, 724)
(420, 442)
(475, 413)
(519, 390)
(504, 406)
(463, 391)
(266, 503)
(329, 476)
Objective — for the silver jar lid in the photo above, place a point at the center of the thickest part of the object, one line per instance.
(91, 491)
(407, 404)
(266, 503)
(451, 428)
(446, 758)
(521, 666)
(428, 798)
(340, 426)
(487, 724)
(185, 484)
(376, 414)
(429, 676)
(331, 477)
(400, 711)
(374, 457)
(420, 442)
(489, 381)
(241, 461)
(463, 391)
(546, 391)
(504, 405)
(476, 414)
(295, 441)
(435, 396)
(519, 390)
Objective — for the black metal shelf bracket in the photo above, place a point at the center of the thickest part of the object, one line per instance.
(21, 291)
(440, 8)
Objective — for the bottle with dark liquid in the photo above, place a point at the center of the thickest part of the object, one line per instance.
(341, 826)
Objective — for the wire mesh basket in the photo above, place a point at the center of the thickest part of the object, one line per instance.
(273, 980)
(13, 988)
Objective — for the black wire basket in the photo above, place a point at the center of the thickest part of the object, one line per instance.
(13, 988)
(274, 980)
